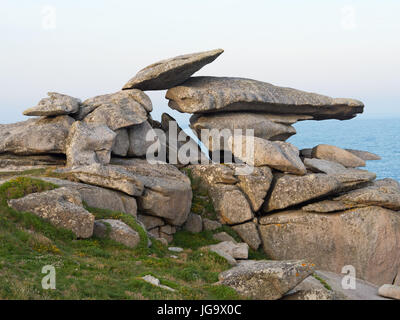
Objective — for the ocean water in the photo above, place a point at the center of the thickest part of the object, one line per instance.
(380, 136)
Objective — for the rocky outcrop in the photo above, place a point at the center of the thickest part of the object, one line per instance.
(88, 144)
(265, 280)
(366, 238)
(10, 162)
(333, 153)
(62, 207)
(116, 230)
(171, 72)
(56, 104)
(213, 94)
(167, 192)
(35, 136)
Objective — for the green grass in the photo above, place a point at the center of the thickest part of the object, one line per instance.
(323, 282)
(97, 268)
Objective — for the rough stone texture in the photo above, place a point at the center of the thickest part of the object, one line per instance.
(364, 290)
(98, 197)
(249, 234)
(150, 222)
(35, 136)
(310, 289)
(134, 101)
(117, 111)
(336, 154)
(56, 104)
(290, 190)
(117, 231)
(223, 236)
(110, 176)
(168, 229)
(256, 185)
(390, 291)
(121, 143)
(137, 139)
(261, 124)
(168, 192)
(194, 223)
(306, 153)
(326, 206)
(364, 155)
(213, 173)
(366, 238)
(62, 207)
(88, 144)
(210, 225)
(171, 72)
(384, 193)
(213, 94)
(10, 162)
(265, 280)
(281, 156)
(230, 204)
(324, 166)
(235, 250)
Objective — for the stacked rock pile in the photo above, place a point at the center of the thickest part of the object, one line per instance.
(314, 204)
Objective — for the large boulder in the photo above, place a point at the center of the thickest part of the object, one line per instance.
(56, 104)
(62, 207)
(108, 176)
(118, 110)
(264, 127)
(117, 231)
(35, 136)
(290, 190)
(97, 197)
(364, 155)
(168, 73)
(167, 193)
(88, 144)
(230, 204)
(384, 193)
(121, 143)
(336, 154)
(213, 94)
(265, 280)
(366, 238)
(249, 233)
(279, 155)
(138, 145)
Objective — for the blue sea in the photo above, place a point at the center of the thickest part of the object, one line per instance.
(380, 136)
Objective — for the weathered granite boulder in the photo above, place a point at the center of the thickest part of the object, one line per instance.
(88, 144)
(117, 110)
(336, 154)
(262, 125)
(117, 231)
(98, 197)
(230, 204)
(324, 166)
(121, 143)
(110, 176)
(290, 190)
(233, 249)
(310, 289)
(194, 223)
(364, 155)
(279, 155)
(213, 94)
(62, 207)
(223, 236)
(138, 145)
(390, 291)
(35, 136)
(150, 222)
(248, 232)
(366, 238)
(214, 173)
(326, 206)
(10, 162)
(265, 280)
(168, 73)
(134, 101)
(56, 104)
(210, 225)
(383, 193)
(167, 194)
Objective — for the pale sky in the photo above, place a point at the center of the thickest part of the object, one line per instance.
(342, 48)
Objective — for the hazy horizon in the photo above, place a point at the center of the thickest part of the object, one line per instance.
(340, 49)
